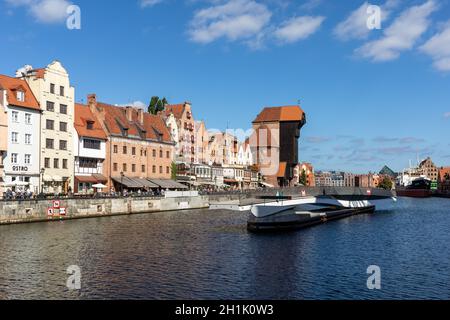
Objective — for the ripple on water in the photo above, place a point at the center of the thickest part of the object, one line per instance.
(205, 254)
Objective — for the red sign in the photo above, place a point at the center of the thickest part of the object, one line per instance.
(56, 210)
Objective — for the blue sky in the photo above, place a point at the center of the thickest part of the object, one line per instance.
(372, 97)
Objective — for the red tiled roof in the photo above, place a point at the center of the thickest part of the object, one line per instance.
(286, 113)
(11, 85)
(83, 115)
(176, 109)
(116, 120)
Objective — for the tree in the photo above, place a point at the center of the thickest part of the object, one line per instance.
(386, 184)
(173, 170)
(156, 105)
(303, 179)
(447, 176)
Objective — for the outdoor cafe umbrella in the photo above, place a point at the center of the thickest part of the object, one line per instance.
(99, 186)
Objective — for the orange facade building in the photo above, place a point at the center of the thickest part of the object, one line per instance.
(139, 145)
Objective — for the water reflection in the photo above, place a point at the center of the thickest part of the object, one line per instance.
(209, 255)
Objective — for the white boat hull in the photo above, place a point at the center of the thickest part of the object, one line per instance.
(271, 208)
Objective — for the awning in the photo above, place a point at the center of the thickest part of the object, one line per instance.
(100, 178)
(135, 183)
(282, 170)
(57, 178)
(168, 184)
(47, 178)
(86, 179)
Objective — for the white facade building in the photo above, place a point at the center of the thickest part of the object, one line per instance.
(21, 113)
(89, 149)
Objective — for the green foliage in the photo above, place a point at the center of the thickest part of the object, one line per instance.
(156, 105)
(173, 170)
(303, 178)
(386, 184)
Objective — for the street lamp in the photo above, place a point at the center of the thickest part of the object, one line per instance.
(41, 180)
(121, 182)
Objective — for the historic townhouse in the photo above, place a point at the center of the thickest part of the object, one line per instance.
(185, 149)
(139, 146)
(89, 149)
(201, 143)
(51, 86)
(19, 136)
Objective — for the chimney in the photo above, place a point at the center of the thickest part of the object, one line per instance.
(129, 113)
(92, 100)
(141, 116)
(95, 109)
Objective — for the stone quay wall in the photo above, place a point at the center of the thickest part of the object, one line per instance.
(38, 210)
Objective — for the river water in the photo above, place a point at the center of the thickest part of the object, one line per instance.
(208, 254)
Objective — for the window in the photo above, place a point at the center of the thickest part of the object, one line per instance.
(143, 168)
(47, 163)
(49, 143)
(15, 116)
(168, 154)
(62, 145)
(90, 125)
(14, 137)
(160, 169)
(94, 144)
(63, 108)
(154, 153)
(28, 159)
(27, 118)
(160, 153)
(14, 157)
(133, 151)
(49, 124)
(124, 167)
(52, 88)
(63, 126)
(56, 163)
(124, 150)
(115, 167)
(133, 168)
(61, 91)
(167, 170)
(27, 138)
(116, 149)
(50, 106)
(65, 162)
(20, 96)
(154, 169)
(88, 163)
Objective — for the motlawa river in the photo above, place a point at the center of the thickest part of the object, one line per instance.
(208, 254)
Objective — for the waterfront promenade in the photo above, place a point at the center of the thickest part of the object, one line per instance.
(62, 208)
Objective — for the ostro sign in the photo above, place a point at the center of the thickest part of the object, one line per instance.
(20, 168)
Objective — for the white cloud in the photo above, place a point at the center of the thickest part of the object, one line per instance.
(401, 35)
(298, 28)
(447, 115)
(355, 26)
(46, 11)
(233, 20)
(136, 104)
(149, 3)
(438, 48)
